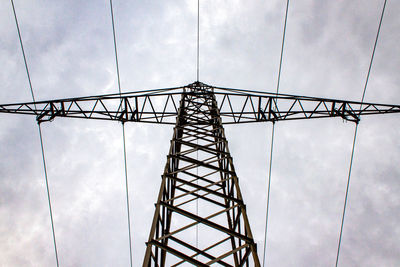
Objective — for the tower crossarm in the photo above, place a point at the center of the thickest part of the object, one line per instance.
(241, 106)
(156, 106)
(161, 106)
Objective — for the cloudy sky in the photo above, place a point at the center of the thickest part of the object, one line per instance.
(69, 49)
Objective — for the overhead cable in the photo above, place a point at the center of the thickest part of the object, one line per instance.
(40, 134)
(198, 40)
(273, 134)
(355, 134)
(123, 138)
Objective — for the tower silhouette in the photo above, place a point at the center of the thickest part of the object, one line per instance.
(200, 170)
(200, 216)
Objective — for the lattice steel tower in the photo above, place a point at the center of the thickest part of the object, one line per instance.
(199, 193)
(200, 170)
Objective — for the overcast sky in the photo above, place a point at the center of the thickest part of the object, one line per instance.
(69, 49)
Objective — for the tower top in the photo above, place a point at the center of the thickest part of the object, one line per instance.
(198, 86)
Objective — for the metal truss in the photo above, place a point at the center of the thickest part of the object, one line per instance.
(200, 189)
(161, 106)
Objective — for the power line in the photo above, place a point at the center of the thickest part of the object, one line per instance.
(355, 134)
(115, 46)
(283, 44)
(346, 195)
(268, 193)
(40, 134)
(198, 39)
(197, 140)
(197, 182)
(23, 51)
(273, 134)
(373, 51)
(127, 194)
(123, 137)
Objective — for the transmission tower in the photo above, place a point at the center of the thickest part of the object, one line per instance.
(200, 169)
(199, 190)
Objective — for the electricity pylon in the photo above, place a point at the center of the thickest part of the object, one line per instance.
(200, 170)
(200, 215)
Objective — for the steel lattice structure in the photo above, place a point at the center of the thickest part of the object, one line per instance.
(200, 168)
(199, 186)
